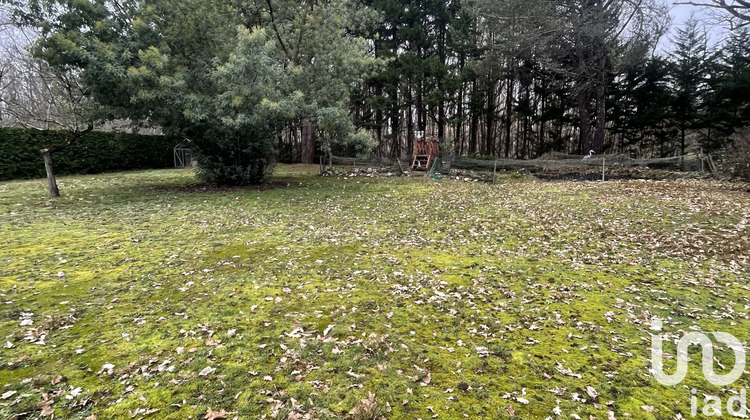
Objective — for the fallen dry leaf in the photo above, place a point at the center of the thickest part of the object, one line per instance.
(207, 371)
(8, 395)
(212, 415)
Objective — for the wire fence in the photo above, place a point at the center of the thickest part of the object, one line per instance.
(553, 161)
(559, 161)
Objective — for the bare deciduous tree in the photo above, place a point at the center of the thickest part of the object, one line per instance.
(36, 96)
(737, 11)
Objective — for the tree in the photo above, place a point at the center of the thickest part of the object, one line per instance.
(38, 96)
(737, 76)
(726, 99)
(737, 12)
(585, 40)
(227, 76)
(691, 60)
(643, 109)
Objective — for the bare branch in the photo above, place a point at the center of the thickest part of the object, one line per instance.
(738, 9)
(36, 95)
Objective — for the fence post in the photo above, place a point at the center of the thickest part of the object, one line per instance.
(711, 164)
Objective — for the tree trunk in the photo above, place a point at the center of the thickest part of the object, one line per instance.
(441, 121)
(474, 128)
(601, 110)
(51, 180)
(47, 156)
(583, 115)
(508, 113)
(379, 120)
(683, 128)
(308, 142)
(458, 140)
(542, 117)
(409, 122)
(421, 117)
(601, 120)
(379, 124)
(491, 118)
(395, 124)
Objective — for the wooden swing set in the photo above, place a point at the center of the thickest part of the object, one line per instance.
(426, 150)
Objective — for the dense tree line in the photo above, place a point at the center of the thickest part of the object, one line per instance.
(253, 81)
(518, 79)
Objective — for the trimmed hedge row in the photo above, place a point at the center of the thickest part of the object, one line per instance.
(95, 152)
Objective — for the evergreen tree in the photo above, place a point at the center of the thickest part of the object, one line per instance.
(643, 109)
(737, 84)
(691, 65)
(727, 96)
(227, 76)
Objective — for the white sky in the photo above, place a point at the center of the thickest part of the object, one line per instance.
(681, 13)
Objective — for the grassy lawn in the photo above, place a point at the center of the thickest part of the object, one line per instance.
(132, 296)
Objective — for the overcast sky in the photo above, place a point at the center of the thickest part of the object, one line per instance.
(681, 13)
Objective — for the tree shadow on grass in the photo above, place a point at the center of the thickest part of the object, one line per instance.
(577, 176)
(205, 188)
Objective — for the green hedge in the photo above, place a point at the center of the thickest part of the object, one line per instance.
(95, 152)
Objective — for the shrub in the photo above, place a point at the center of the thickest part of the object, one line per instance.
(738, 156)
(95, 152)
(234, 157)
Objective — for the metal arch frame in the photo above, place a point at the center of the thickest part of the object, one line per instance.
(179, 154)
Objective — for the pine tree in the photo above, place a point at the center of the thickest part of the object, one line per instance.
(643, 108)
(690, 71)
(227, 76)
(737, 85)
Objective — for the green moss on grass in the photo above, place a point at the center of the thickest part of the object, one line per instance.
(449, 298)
